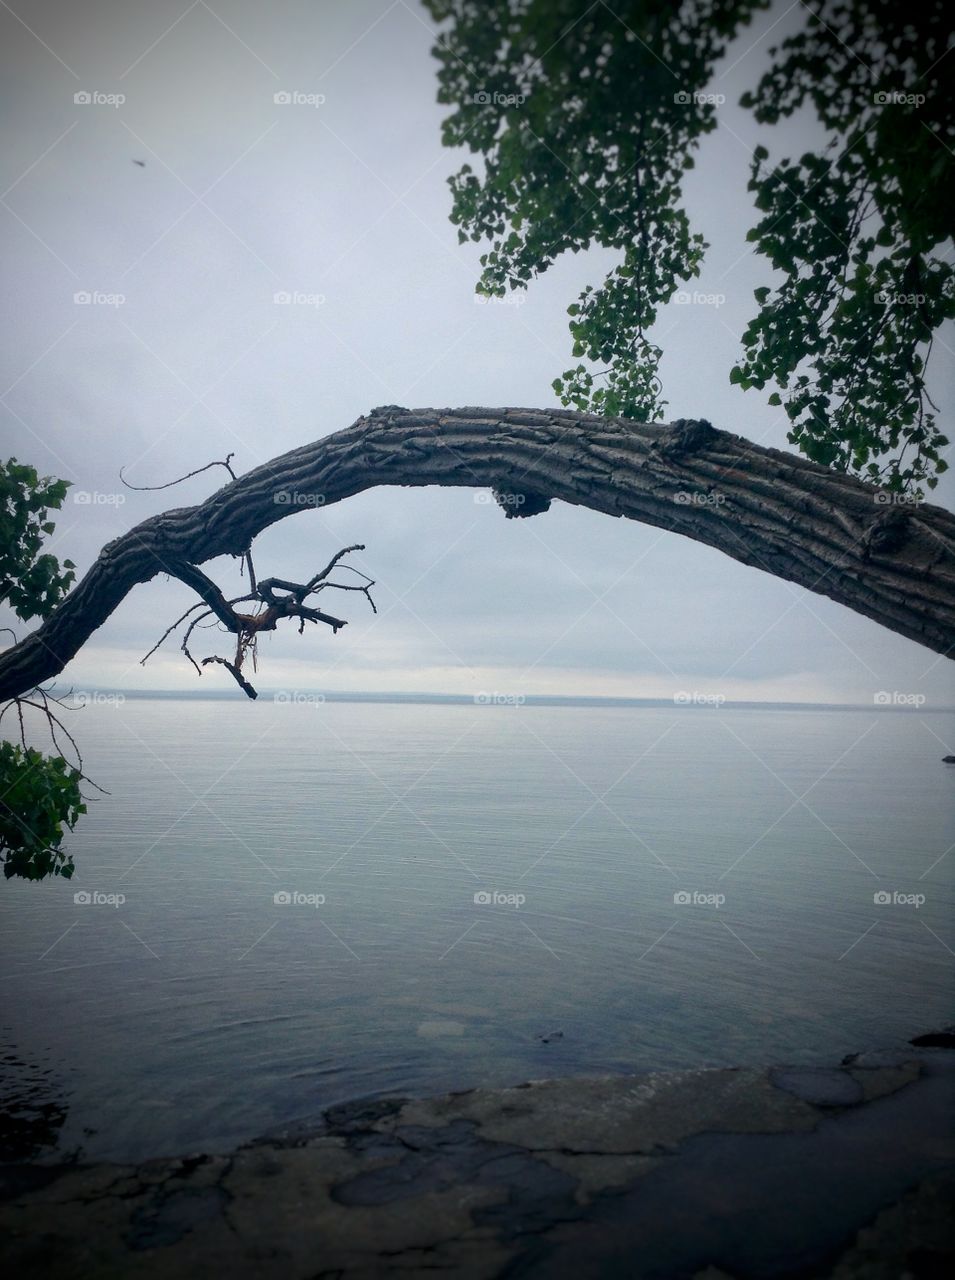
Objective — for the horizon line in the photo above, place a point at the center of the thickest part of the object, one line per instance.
(698, 699)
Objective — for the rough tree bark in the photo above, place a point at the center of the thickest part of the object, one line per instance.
(891, 561)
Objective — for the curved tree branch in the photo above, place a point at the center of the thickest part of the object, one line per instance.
(826, 531)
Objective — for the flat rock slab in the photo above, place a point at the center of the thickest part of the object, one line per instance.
(699, 1174)
(824, 1088)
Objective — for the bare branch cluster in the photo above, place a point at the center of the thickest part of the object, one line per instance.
(269, 608)
(41, 700)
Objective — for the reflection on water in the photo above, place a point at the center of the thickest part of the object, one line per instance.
(328, 901)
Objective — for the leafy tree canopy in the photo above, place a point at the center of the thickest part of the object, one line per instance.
(586, 118)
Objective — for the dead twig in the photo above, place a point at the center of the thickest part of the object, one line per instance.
(275, 599)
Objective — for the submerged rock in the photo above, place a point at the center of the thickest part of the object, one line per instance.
(935, 1040)
(824, 1088)
(611, 1176)
(437, 1028)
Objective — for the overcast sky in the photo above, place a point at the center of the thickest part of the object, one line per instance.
(346, 200)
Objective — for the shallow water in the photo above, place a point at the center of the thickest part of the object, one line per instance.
(200, 1011)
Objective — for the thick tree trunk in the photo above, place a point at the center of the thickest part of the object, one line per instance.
(826, 531)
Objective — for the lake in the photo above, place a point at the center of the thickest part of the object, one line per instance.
(283, 905)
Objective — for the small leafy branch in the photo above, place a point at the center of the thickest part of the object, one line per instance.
(39, 795)
(30, 582)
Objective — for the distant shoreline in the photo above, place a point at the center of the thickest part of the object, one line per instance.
(491, 698)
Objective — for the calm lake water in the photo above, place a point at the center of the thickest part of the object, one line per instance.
(479, 895)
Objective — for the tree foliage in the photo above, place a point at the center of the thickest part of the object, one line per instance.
(40, 795)
(586, 119)
(31, 581)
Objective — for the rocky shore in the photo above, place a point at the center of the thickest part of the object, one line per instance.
(844, 1171)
